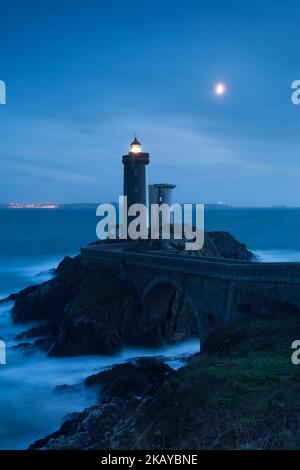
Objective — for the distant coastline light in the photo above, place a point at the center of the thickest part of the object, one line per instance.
(220, 89)
(18, 205)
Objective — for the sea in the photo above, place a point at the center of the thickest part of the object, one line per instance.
(32, 242)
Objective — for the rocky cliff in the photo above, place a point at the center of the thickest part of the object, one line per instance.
(241, 392)
(90, 310)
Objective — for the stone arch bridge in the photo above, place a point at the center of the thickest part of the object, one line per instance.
(216, 290)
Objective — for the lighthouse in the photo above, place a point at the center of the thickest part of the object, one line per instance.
(135, 174)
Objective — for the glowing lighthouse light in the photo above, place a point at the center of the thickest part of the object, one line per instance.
(135, 146)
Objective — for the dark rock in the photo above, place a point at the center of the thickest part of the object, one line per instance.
(42, 330)
(48, 300)
(66, 266)
(96, 423)
(42, 343)
(124, 389)
(63, 388)
(98, 317)
(224, 245)
(71, 416)
(130, 380)
(216, 245)
(88, 310)
(22, 346)
(67, 388)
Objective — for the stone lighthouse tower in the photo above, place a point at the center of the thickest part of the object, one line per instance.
(135, 174)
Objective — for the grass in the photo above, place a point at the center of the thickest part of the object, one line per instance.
(242, 393)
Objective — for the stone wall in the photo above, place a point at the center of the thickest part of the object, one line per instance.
(217, 291)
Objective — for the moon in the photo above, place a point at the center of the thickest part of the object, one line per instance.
(220, 89)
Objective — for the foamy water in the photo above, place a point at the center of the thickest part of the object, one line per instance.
(17, 275)
(31, 406)
(280, 256)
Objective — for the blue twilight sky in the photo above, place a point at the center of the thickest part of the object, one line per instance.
(83, 76)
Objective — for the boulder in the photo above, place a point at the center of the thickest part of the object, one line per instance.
(131, 380)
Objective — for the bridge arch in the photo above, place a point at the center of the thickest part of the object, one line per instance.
(169, 313)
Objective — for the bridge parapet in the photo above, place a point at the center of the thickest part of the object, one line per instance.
(212, 268)
(218, 290)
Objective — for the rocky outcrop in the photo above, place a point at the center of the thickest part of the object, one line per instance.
(90, 309)
(84, 310)
(131, 380)
(242, 392)
(99, 317)
(47, 301)
(124, 388)
(216, 245)
(224, 245)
